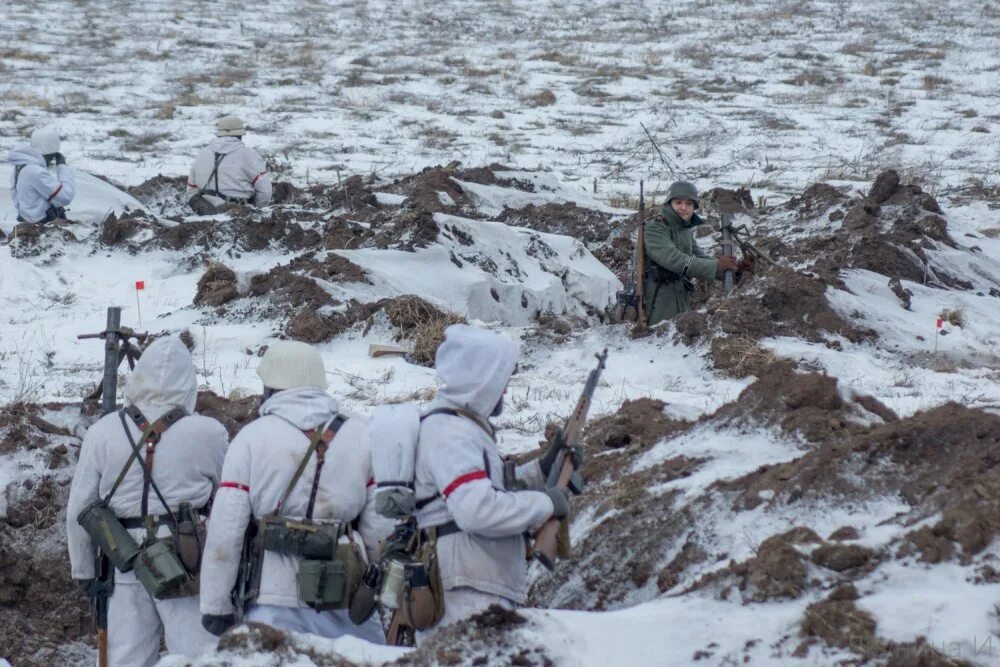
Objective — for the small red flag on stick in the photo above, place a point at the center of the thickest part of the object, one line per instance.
(139, 285)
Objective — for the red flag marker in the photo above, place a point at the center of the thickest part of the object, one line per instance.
(139, 286)
(940, 323)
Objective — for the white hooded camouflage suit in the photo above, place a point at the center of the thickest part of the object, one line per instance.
(458, 462)
(33, 186)
(242, 173)
(259, 465)
(186, 468)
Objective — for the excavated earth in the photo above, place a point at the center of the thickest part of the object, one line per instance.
(44, 619)
(942, 463)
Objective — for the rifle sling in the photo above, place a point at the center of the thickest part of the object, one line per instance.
(315, 437)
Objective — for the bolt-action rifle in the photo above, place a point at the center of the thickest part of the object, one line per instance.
(640, 262)
(546, 539)
(118, 345)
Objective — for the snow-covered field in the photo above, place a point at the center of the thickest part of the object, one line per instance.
(778, 93)
(772, 95)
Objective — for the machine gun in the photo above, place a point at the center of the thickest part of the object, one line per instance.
(546, 540)
(118, 345)
(740, 235)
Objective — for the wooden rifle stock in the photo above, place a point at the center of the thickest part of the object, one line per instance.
(546, 539)
(102, 647)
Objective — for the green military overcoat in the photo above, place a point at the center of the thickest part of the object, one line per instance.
(669, 243)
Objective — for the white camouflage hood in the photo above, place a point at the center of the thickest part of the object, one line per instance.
(225, 144)
(305, 407)
(475, 366)
(25, 153)
(163, 379)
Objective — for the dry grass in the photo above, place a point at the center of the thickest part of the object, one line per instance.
(741, 355)
(543, 98)
(953, 316)
(933, 82)
(421, 325)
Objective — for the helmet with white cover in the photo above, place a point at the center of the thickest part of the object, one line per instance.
(289, 364)
(230, 126)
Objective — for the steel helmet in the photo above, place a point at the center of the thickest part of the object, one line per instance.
(229, 126)
(683, 190)
(289, 364)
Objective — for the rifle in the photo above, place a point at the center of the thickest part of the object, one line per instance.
(727, 249)
(640, 262)
(546, 540)
(117, 346)
(741, 236)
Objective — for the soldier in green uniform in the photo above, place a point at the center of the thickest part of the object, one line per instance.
(673, 257)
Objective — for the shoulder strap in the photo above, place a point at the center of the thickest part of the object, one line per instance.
(150, 433)
(459, 412)
(219, 157)
(148, 430)
(462, 412)
(315, 436)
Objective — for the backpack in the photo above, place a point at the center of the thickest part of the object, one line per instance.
(393, 433)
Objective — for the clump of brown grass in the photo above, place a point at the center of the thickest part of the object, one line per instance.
(953, 316)
(543, 98)
(741, 356)
(421, 325)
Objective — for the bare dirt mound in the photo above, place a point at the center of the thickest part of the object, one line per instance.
(234, 413)
(804, 407)
(589, 226)
(417, 324)
(483, 639)
(888, 231)
(44, 619)
(282, 648)
(155, 191)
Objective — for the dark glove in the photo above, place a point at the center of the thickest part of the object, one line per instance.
(87, 586)
(217, 624)
(560, 502)
(552, 454)
(60, 159)
(748, 264)
(725, 263)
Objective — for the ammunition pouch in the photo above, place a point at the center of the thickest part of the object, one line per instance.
(160, 571)
(109, 535)
(330, 569)
(662, 276)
